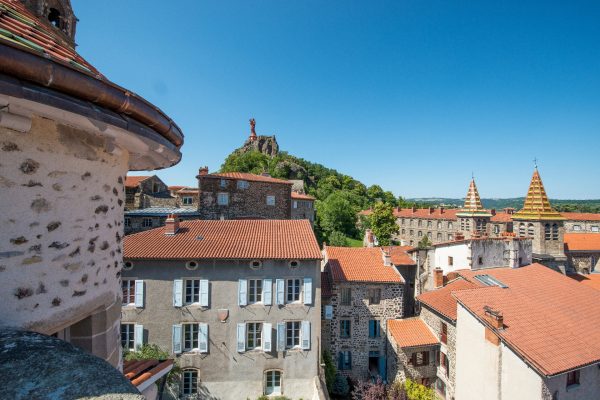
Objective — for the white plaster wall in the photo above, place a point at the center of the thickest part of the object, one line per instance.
(519, 381)
(477, 375)
(460, 254)
(61, 207)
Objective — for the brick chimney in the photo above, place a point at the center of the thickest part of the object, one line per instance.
(493, 210)
(442, 210)
(438, 278)
(171, 225)
(203, 171)
(494, 317)
(369, 239)
(414, 209)
(387, 258)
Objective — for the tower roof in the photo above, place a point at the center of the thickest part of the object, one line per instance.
(537, 206)
(472, 206)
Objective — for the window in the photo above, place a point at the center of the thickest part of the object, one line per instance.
(192, 291)
(147, 222)
(522, 229)
(127, 221)
(576, 227)
(293, 290)
(345, 325)
(554, 231)
(128, 336)
(450, 237)
(295, 204)
(411, 222)
(403, 221)
(420, 359)
(374, 296)
(480, 260)
(346, 296)
(420, 234)
(438, 237)
(272, 382)
(530, 230)
(444, 333)
(270, 200)
(547, 233)
(242, 184)
(254, 290)
(155, 188)
(439, 225)
(450, 261)
(187, 200)
(496, 229)
(595, 228)
(190, 337)
(429, 235)
(419, 222)
(429, 224)
(128, 286)
(374, 328)
(445, 363)
(440, 387)
(190, 381)
(403, 231)
(253, 335)
(450, 225)
(292, 334)
(412, 232)
(223, 199)
(573, 378)
(345, 360)
(223, 183)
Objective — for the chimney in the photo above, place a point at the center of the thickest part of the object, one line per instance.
(414, 209)
(438, 278)
(493, 211)
(442, 210)
(369, 240)
(494, 317)
(509, 210)
(431, 210)
(171, 225)
(387, 259)
(203, 171)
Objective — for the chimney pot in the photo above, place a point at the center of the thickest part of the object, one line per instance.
(387, 258)
(441, 210)
(493, 211)
(171, 225)
(431, 210)
(494, 317)
(203, 171)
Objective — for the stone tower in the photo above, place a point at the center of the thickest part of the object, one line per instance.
(473, 218)
(539, 221)
(56, 13)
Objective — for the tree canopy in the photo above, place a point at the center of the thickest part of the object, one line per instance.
(383, 223)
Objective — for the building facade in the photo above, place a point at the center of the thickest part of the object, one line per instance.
(147, 191)
(366, 292)
(238, 303)
(303, 207)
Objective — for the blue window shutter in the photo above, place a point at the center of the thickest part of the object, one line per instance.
(305, 336)
(340, 361)
(203, 337)
(177, 292)
(266, 339)
(243, 292)
(138, 336)
(267, 294)
(241, 337)
(139, 293)
(371, 328)
(382, 368)
(308, 291)
(280, 291)
(280, 336)
(176, 339)
(349, 360)
(204, 292)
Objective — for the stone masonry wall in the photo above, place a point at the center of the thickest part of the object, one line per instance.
(61, 194)
(244, 203)
(401, 369)
(359, 313)
(584, 262)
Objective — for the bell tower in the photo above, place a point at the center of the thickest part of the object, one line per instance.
(473, 218)
(56, 13)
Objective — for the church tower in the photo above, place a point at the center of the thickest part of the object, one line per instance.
(473, 218)
(56, 13)
(540, 222)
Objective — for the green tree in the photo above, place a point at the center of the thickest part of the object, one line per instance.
(383, 223)
(424, 243)
(330, 370)
(340, 386)
(337, 238)
(416, 391)
(337, 214)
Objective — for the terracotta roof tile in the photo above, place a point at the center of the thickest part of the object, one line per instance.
(591, 280)
(411, 332)
(143, 373)
(360, 264)
(550, 320)
(134, 181)
(229, 239)
(582, 241)
(326, 289)
(581, 216)
(441, 300)
(302, 196)
(400, 256)
(247, 177)
(176, 188)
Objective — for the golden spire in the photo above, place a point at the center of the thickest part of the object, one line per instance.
(537, 206)
(473, 206)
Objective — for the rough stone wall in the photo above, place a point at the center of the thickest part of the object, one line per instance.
(584, 226)
(195, 200)
(584, 262)
(360, 312)
(61, 193)
(305, 210)
(539, 244)
(325, 327)
(434, 321)
(401, 369)
(244, 203)
(144, 196)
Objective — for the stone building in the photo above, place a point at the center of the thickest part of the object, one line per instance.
(303, 207)
(412, 351)
(154, 217)
(238, 195)
(366, 292)
(583, 252)
(237, 302)
(581, 222)
(68, 136)
(147, 191)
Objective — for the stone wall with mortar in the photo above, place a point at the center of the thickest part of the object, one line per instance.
(583, 262)
(582, 226)
(359, 312)
(61, 196)
(400, 367)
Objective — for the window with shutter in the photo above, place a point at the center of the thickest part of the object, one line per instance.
(243, 292)
(203, 339)
(308, 291)
(204, 292)
(128, 336)
(267, 337)
(241, 337)
(281, 341)
(139, 293)
(177, 339)
(305, 335)
(280, 291)
(139, 336)
(267, 295)
(178, 293)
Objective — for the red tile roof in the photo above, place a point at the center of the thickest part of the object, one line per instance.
(247, 177)
(326, 289)
(442, 301)
(550, 320)
(591, 280)
(176, 188)
(302, 196)
(411, 332)
(581, 216)
(582, 241)
(134, 181)
(501, 217)
(399, 255)
(21, 28)
(360, 264)
(230, 239)
(143, 373)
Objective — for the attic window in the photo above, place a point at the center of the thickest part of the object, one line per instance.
(255, 264)
(294, 264)
(128, 265)
(191, 265)
(55, 18)
(490, 281)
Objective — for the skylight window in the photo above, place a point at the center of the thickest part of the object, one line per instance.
(490, 281)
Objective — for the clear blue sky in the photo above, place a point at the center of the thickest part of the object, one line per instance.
(411, 95)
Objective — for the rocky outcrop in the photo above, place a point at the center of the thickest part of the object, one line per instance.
(263, 144)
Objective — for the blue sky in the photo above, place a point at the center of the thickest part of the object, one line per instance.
(411, 95)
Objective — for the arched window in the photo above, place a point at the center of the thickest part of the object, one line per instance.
(420, 234)
(439, 225)
(189, 382)
(273, 382)
(429, 235)
(439, 237)
(522, 229)
(530, 230)
(555, 231)
(547, 234)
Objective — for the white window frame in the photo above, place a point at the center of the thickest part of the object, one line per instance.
(130, 291)
(576, 228)
(257, 335)
(223, 183)
(296, 292)
(184, 377)
(270, 200)
(276, 390)
(194, 330)
(595, 228)
(147, 223)
(187, 200)
(194, 287)
(294, 337)
(222, 199)
(254, 291)
(130, 332)
(295, 204)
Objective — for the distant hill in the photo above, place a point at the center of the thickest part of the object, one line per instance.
(517, 203)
